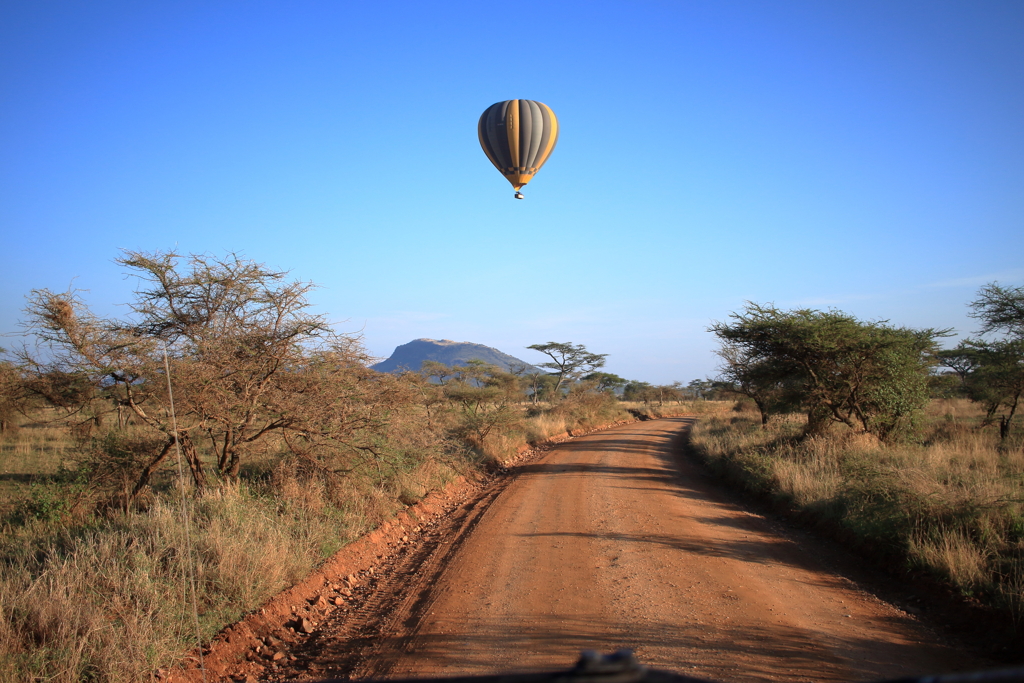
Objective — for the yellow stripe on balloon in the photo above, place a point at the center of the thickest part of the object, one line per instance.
(544, 153)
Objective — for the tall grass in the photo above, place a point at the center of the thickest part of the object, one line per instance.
(46, 446)
(110, 601)
(33, 453)
(101, 595)
(951, 503)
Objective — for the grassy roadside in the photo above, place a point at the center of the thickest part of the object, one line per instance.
(105, 595)
(951, 503)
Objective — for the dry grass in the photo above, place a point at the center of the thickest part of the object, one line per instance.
(35, 449)
(111, 602)
(674, 408)
(956, 556)
(103, 597)
(108, 600)
(951, 503)
(544, 426)
(30, 454)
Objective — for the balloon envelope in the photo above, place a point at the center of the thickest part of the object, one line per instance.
(518, 136)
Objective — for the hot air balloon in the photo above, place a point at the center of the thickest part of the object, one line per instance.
(518, 136)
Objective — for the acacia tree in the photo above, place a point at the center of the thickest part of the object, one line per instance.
(537, 385)
(744, 373)
(480, 396)
(869, 376)
(245, 357)
(991, 371)
(1000, 309)
(635, 390)
(569, 362)
(606, 381)
(700, 389)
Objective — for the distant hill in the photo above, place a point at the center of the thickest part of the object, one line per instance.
(411, 356)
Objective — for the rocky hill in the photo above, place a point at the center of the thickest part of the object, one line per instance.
(411, 356)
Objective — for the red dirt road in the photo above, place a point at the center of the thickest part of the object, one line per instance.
(611, 541)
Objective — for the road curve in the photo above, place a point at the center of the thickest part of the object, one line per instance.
(611, 540)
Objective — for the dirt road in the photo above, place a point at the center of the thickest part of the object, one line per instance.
(612, 541)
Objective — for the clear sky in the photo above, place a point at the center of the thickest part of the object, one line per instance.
(867, 156)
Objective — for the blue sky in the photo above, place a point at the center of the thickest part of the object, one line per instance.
(867, 156)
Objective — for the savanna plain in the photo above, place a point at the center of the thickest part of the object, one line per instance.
(165, 474)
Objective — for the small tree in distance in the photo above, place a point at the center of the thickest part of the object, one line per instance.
(700, 389)
(569, 362)
(482, 397)
(635, 390)
(991, 371)
(605, 381)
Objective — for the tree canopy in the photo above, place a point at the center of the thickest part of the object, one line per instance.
(605, 381)
(235, 346)
(868, 375)
(481, 396)
(991, 370)
(569, 362)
